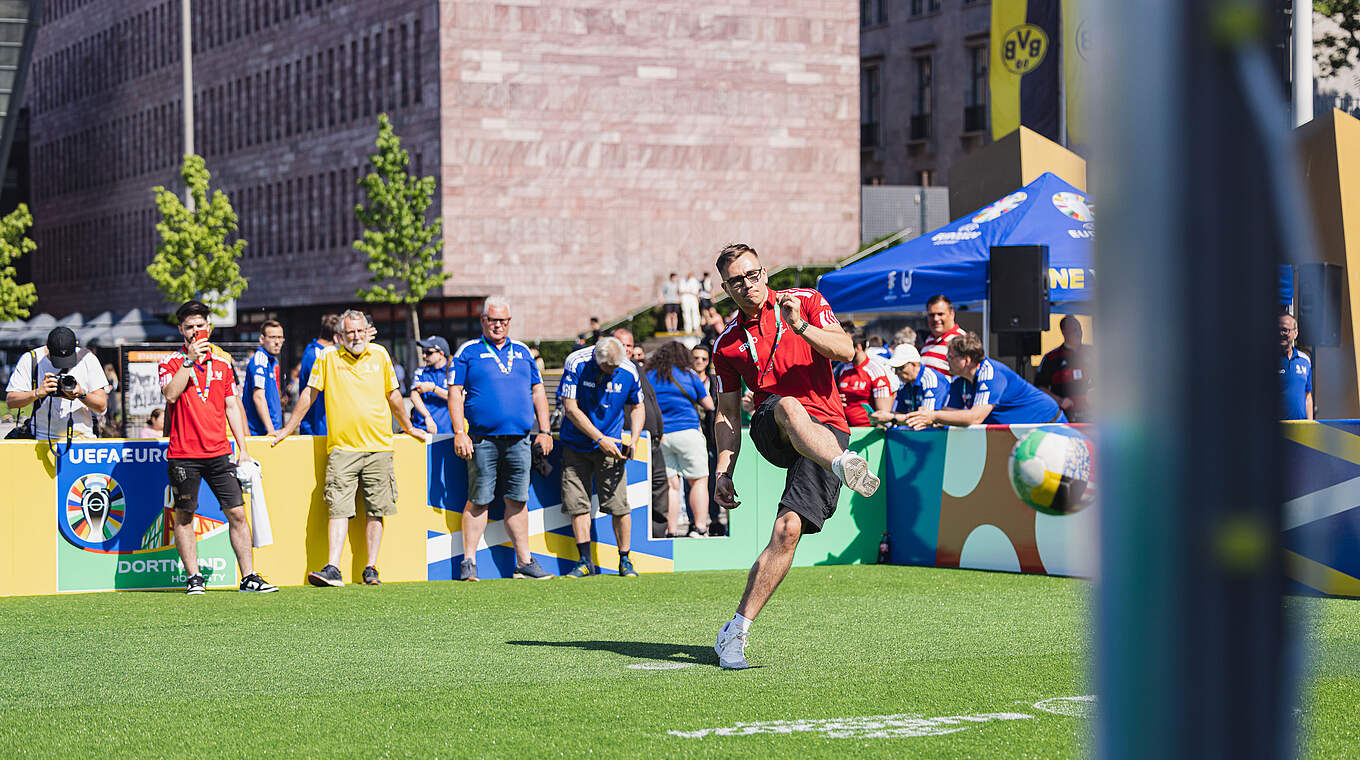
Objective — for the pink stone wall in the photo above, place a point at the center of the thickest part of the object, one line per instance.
(590, 147)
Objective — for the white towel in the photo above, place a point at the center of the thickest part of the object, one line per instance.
(261, 534)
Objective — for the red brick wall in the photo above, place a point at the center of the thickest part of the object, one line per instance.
(589, 148)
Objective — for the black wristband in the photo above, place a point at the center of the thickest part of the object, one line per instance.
(798, 331)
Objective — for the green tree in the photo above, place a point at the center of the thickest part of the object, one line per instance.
(1336, 53)
(193, 258)
(403, 246)
(14, 242)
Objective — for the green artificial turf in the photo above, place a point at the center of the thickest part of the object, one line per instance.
(533, 669)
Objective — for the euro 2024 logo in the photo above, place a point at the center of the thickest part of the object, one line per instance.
(893, 284)
(1023, 48)
(95, 511)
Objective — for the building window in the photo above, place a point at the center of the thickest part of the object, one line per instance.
(921, 7)
(975, 108)
(923, 101)
(870, 92)
(872, 13)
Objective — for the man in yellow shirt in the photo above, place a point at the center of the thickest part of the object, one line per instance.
(361, 397)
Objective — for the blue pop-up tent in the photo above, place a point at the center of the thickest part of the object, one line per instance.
(953, 259)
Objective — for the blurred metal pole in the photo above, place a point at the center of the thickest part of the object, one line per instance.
(1190, 629)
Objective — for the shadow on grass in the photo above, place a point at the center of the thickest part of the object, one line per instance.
(642, 650)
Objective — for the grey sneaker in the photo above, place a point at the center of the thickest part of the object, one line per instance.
(326, 576)
(731, 647)
(531, 569)
(468, 570)
(854, 472)
(371, 576)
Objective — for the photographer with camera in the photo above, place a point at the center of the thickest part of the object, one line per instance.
(64, 383)
(496, 389)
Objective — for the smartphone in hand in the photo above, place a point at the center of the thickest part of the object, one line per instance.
(626, 450)
(869, 410)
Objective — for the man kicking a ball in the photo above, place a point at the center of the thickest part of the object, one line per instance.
(782, 344)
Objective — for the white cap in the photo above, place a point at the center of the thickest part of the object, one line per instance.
(904, 354)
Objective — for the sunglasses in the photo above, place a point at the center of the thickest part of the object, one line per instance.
(429, 351)
(744, 281)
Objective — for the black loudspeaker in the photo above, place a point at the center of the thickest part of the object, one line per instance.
(1318, 295)
(1018, 288)
(1018, 344)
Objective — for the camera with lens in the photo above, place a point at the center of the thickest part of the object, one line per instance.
(66, 382)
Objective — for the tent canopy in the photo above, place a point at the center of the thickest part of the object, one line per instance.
(953, 259)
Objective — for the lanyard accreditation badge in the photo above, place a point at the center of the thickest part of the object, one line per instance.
(751, 346)
(505, 367)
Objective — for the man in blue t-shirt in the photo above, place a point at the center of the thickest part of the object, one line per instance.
(985, 391)
(430, 391)
(264, 407)
(923, 388)
(599, 387)
(1296, 374)
(314, 422)
(495, 398)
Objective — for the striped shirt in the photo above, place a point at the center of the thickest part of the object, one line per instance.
(935, 352)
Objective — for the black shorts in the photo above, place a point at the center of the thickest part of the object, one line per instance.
(810, 490)
(220, 474)
(670, 308)
(705, 303)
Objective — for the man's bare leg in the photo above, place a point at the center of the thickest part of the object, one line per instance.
(517, 525)
(374, 534)
(239, 533)
(474, 526)
(772, 565)
(186, 541)
(623, 531)
(814, 441)
(809, 438)
(336, 530)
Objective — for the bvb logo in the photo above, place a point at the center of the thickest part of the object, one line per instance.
(1023, 48)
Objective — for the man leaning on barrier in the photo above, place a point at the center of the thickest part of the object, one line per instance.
(362, 396)
(70, 387)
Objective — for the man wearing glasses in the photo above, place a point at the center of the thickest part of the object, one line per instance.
(361, 399)
(495, 399)
(781, 344)
(430, 391)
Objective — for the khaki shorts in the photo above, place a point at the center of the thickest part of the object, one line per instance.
(580, 469)
(346, 471)
(686, 454)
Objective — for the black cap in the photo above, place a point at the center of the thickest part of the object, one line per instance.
(61, 347)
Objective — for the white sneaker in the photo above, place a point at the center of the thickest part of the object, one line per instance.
(854, 472)
(731, 647)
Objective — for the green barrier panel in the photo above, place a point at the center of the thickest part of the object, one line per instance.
(850, 536)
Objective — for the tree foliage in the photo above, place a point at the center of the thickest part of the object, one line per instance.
(193, 257)
(1338, 52)
(14, 242)
(404, 254)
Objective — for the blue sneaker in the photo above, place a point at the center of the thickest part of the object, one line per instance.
(581, 570)
(626, 568)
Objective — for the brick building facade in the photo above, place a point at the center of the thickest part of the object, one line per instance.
(582, 151)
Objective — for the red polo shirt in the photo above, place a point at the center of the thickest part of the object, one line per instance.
(796, 370)
(860, 384)
(196, 421)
